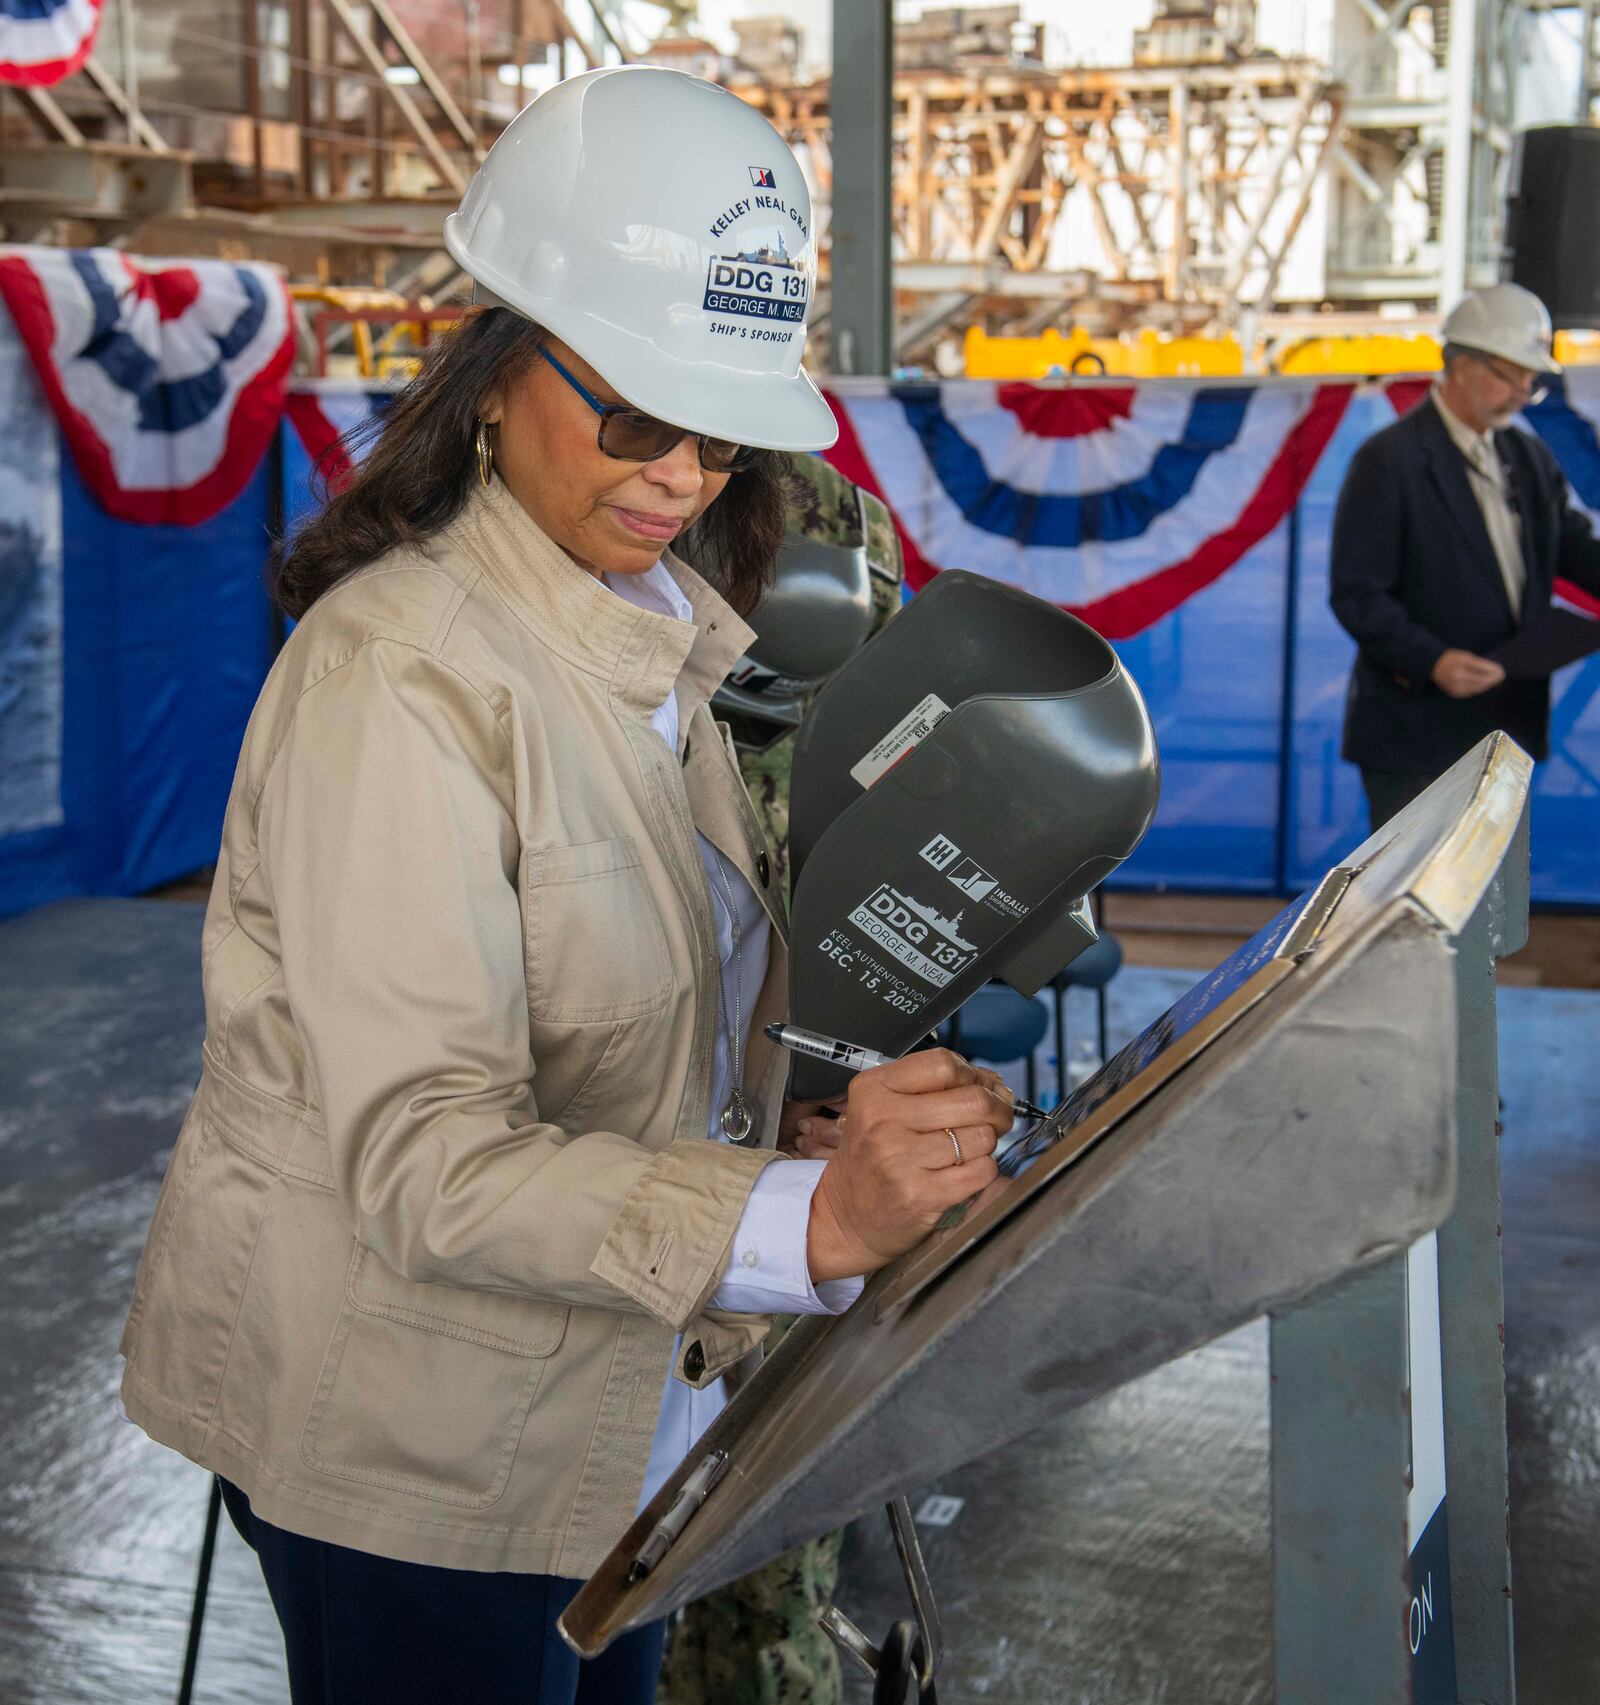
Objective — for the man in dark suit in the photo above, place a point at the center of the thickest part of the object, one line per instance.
(1450, 531)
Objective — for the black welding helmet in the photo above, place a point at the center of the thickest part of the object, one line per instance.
(816, 616)
(958, 788)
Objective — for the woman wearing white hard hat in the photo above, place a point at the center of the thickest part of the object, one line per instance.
(446, 1273)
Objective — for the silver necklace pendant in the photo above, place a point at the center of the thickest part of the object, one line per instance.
(737, 1119)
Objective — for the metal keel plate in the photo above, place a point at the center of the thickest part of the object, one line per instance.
(1289, 1121)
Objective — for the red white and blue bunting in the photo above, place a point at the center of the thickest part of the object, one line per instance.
(44, 41)
(1117, 502)
(168, 380)
(333, 421)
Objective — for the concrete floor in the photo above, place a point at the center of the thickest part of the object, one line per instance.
(1118, 1557)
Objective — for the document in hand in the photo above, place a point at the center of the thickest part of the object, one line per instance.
(1565, 634)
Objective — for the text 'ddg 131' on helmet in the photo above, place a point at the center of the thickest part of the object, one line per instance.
(662, 228)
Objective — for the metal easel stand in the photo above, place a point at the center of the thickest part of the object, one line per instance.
(202, 1587)
(1347, 1623)
(905, 1666)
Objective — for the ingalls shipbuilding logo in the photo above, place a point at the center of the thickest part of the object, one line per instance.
(762, 282)
(762, 178)
(969, 876)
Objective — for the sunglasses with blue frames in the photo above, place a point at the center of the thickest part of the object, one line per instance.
(629, 435)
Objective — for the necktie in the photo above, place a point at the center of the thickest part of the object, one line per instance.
(1500, 518)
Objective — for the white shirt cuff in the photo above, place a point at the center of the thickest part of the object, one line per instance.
(767, 1271)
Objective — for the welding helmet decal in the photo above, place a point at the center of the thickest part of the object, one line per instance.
(958, 788)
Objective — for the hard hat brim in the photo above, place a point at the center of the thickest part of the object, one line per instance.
(761, 410)
(1535, 360)
(764, 410)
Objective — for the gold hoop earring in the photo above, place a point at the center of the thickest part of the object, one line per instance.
(485, 454)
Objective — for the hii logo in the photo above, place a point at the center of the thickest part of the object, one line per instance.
(969, 876)
(940, 853)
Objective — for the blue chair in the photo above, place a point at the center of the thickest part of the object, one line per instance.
(999, 1025)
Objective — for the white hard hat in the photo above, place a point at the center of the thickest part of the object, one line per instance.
(660, 227)
(1504, 320)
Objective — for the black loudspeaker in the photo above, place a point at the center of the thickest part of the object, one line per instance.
(1553, 220)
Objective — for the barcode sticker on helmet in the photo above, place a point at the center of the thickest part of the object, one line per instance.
(907, 733)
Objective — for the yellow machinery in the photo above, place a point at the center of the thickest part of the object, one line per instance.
(1150, 355)
(388, 333)
(1057, 355)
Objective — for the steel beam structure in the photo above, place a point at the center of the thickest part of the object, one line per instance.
(1418, 180)
(1161, 195)
(1349, 1406)
(862, 318)
(1192, 180)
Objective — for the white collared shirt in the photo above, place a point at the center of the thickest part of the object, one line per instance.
(767, 1272)
(1488, 481)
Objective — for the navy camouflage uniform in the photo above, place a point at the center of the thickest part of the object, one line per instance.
(756, 1641)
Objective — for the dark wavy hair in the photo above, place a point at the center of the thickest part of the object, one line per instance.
(421, 468)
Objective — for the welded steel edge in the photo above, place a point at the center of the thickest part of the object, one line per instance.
(1489, 787)
(1213, 1202)
(1491, 783)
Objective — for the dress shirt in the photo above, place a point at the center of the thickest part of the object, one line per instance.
(1488, 482)
(767, 1272)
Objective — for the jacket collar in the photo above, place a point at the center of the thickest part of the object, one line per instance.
(1465, 439)
(642, 656)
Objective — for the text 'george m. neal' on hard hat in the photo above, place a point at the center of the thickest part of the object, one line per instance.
(1503, 320)
(662, 228)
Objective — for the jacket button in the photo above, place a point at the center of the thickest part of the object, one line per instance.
(694, 1360)
(764, 869)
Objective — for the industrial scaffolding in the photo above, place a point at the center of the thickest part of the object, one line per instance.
(1170, 163)
(333, 136)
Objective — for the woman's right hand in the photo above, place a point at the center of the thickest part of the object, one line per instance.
(895, 1174)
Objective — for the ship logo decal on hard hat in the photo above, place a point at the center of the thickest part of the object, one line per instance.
(762, 281)
(762, 178)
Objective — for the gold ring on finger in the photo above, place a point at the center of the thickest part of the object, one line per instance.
(955, 1143)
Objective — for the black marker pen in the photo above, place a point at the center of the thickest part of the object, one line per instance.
(857, 1059)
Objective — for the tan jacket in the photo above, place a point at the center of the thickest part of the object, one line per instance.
(444, 1195)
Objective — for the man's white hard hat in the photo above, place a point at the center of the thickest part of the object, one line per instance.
(661, 228)
(1503, 320)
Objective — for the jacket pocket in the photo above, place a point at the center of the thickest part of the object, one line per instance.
(194, 1270)
(426, 1389)
(595, 949)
